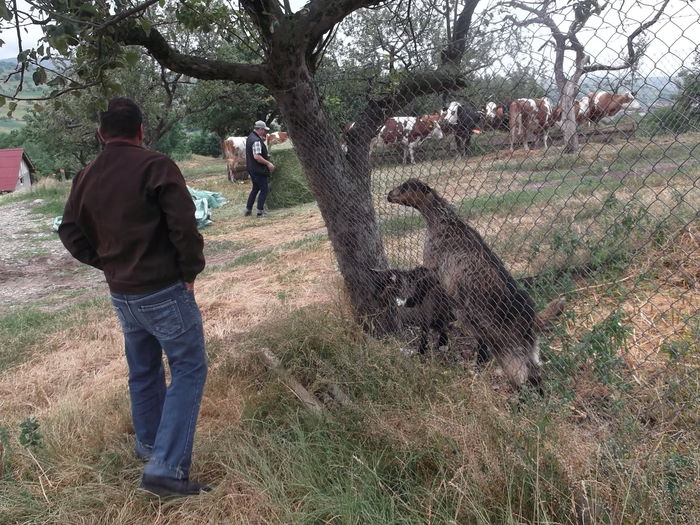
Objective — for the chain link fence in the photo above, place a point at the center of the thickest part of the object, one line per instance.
(612, 227)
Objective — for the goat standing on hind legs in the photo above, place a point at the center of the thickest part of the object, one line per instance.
(485, 296)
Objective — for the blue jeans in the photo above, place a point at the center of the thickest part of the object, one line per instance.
(259, 185)
(164, 417)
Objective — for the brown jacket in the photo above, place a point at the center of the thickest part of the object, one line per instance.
(130, 215)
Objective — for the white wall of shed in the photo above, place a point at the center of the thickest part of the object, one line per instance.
(24, 179)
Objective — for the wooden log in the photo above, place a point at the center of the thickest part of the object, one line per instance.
(307, 399)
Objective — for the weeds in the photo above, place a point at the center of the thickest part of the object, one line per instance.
(29, 435)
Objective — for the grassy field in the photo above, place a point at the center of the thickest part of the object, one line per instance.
(615, 439)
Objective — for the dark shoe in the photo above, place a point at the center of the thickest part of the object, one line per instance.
(247, 213)
(262, 215)
(162, 486)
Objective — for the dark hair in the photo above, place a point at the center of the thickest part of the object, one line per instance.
(123, 118)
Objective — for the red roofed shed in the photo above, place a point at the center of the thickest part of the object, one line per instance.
(15, 170)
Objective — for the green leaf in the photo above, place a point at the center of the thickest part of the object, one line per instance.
(146, 25)
(4, 11)
(60, 44)
(132, 57)
(38, 108)
(88, 10)
(12, 105)
(2, 101)
(39, 76)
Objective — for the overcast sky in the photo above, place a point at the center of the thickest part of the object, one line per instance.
(673, 39)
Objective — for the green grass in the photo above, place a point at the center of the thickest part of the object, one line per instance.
(310, 243)
(403, 225)
(418, 442)
(251, 257)
(53, 193)
(32, 253)
(214, 246)
(23, 329)
(199, 167)
(52, 208)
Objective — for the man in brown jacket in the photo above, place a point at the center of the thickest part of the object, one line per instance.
(130, 214)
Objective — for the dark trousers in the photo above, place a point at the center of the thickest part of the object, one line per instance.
(259, 186)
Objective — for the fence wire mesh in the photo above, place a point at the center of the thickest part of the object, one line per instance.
(613, 226)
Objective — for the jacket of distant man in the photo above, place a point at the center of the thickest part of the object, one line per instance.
(255, 145)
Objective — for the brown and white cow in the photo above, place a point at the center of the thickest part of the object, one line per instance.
(234, 153)
(531, 118)
(278, 137)
(594, 107)
(409, 132)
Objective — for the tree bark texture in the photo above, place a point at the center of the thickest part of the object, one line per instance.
(569, 126)
(342, 190)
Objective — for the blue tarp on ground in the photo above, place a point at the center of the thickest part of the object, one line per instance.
(204, 201)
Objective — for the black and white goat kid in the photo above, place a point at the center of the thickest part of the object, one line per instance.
(420, 302)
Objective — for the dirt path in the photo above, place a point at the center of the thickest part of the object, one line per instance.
(35, 268)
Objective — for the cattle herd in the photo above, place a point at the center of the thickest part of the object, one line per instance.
(526, 119)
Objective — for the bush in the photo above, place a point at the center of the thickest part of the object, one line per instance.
(288, 186)
(41, 159)
(174, 144)
(205, 143)
(670, 120)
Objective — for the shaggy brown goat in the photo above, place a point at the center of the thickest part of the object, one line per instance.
(421, 300)
(486, 298)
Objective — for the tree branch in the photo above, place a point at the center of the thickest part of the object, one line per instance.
(631, 52)
(265, 14)
(193, 66)
(81, 87)
(455, 48)
(320, 16)
(126, 14)
(19, 48)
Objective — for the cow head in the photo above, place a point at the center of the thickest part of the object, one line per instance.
(629, 103)
(489, 110)
(451, 113)
(429, 127)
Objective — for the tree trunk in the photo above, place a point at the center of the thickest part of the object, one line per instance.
(342, 190)
(568, 96)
